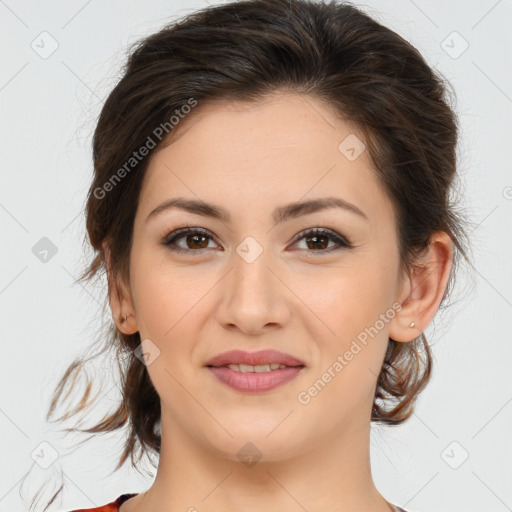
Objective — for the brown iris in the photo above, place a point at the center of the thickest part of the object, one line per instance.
(195, 238)
(315, 244)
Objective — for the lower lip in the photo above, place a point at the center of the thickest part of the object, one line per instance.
(255, 382)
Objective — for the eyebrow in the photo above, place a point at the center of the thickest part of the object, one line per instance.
(280, 214)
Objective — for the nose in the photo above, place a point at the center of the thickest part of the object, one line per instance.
(254, 298)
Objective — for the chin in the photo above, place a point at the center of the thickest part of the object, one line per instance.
(251, 444)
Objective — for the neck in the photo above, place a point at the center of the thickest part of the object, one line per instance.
(333, 475)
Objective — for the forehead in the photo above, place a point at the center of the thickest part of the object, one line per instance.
(278, 150)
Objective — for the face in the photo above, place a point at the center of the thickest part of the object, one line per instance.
(253, 280)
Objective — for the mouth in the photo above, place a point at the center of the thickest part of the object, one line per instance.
(260, 368)
(255, 372)
(245, 380)
(260, 361)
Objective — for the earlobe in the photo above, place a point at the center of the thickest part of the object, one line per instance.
(426, 286)
(128, 324)
(401, 331)
(123, 312)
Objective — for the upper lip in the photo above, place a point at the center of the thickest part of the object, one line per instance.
(254, 358)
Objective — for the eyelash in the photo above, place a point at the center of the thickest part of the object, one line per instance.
(343, 242)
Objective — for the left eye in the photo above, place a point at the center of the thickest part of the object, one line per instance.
(197, 238)
(318, 238)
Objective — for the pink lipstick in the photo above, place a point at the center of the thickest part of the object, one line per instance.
(255, 372)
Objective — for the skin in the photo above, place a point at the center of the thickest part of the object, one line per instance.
(250, 159)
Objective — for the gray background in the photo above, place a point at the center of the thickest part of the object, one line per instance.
(48, 107)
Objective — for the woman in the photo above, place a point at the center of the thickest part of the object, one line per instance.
(271, 204)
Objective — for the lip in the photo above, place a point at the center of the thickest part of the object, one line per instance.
(268, 356)
(256, 382)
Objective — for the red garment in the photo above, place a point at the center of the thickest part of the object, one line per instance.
(109, 507)
(114, 505)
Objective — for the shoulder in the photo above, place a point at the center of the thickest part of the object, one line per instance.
(113, 506)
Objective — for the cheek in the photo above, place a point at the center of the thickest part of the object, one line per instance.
(169, 309)
(167, 295)
(172, 308)
(348, 305)
(342, 301)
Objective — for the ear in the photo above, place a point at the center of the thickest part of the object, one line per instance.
(121, 304)
(422, 292)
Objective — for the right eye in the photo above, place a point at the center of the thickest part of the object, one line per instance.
(195, 240)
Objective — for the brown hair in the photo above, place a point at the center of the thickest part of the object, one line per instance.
(368, 74)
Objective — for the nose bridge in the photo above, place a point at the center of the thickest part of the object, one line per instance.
(253, 296)
(251, 261)
(251, 277)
